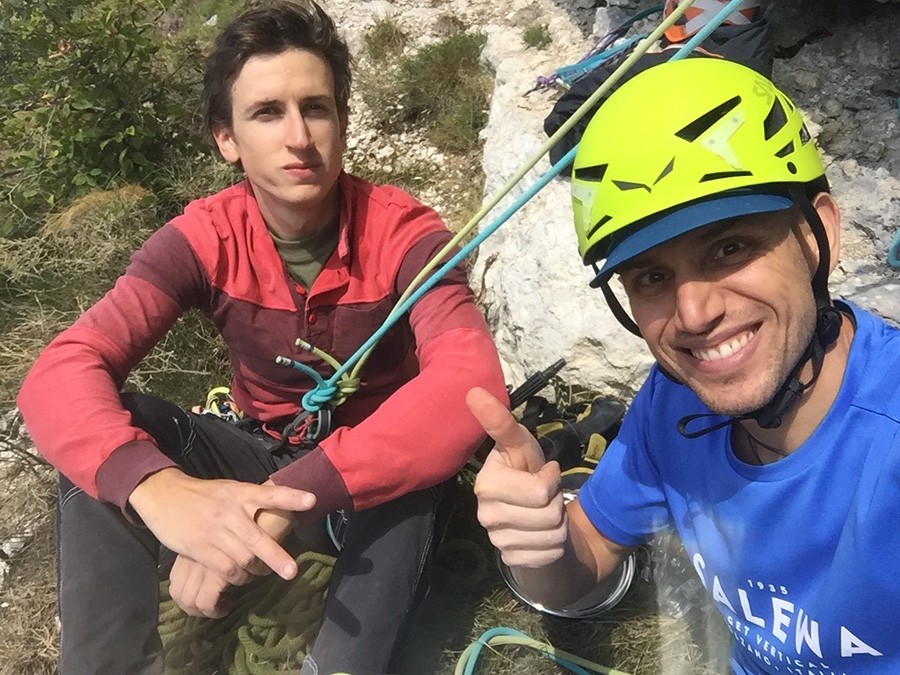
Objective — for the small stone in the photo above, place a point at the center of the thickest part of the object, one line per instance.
(832, 108)
(850, 167)
(806, 80)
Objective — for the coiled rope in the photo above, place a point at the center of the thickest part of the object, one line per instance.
(270, 628)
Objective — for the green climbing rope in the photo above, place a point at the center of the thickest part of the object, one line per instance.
(270, 628)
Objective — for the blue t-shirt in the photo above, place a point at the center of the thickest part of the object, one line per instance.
(801, 556)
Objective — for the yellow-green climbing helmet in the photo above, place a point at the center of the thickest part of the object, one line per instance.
(681, 145)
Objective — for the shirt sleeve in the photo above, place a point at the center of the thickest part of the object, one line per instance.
(70, 398)
(423, 433)
(624, 498)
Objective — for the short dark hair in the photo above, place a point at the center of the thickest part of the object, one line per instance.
(272, 29)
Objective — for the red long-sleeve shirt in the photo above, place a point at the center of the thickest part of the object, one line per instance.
(405, 429)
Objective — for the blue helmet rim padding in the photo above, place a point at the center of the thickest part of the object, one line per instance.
(686, 219)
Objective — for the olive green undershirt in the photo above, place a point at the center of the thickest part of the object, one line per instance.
(306, 256)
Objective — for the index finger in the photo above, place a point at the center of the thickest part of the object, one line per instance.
(270, 552)
(283, 498)
(518, 447)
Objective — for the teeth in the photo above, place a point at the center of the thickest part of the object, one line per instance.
(723, 350)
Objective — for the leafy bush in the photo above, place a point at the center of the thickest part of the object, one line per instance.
(537, 35)
(86, 98)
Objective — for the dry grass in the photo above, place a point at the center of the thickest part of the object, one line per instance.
(28, 629)
(45, 282)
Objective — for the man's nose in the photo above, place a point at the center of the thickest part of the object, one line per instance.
(699, 306)
(298, 136)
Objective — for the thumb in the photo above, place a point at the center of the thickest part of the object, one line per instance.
(518, 448)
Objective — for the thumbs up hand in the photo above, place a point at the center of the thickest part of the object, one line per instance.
(520, 502)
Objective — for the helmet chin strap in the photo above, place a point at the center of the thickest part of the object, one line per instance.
(828, 327)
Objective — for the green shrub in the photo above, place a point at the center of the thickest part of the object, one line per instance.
(87, 100)
(442, 87)
(537, 35)
(386, 38)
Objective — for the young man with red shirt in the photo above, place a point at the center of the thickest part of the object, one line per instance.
(299, 249)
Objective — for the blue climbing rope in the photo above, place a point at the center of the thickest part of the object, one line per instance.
(510, 636)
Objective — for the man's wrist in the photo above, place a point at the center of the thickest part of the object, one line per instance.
(152, 487)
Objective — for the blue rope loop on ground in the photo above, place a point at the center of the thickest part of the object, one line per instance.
(471, 654)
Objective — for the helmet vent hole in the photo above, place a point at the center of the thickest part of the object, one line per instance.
(775, 120)
(804, 134)
(593, 173)
(791, 167)
(719, 175)
(600, 223)
(786, 150)
(699, 126)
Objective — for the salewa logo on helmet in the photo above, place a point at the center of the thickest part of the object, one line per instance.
(765, 90)
(627, 185)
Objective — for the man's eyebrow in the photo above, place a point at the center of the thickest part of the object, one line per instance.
(718, 228)
(256, 105)
(628, 266)
(314, 98)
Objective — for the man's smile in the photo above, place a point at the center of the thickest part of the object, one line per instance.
(724, 349)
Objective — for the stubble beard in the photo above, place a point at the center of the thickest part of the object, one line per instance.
(756, 394)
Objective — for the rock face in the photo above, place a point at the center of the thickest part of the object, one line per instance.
(839, 62)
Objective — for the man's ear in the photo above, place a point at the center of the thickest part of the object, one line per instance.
(226, 142)
(830, 214)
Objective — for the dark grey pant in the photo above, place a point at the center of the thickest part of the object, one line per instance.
(109, 569)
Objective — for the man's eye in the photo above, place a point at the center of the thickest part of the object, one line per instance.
(268, 111)
(651, 278)
(731, 248)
